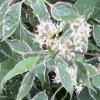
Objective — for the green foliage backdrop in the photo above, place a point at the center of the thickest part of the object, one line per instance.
(28, 71)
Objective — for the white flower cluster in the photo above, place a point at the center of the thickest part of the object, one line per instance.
(80, 32)
(47, 34)
(73, 72)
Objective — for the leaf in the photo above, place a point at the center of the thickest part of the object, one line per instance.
(2, 57)
(11, 20)
(40, 96)
(65, 11)
(85, 95)
(95, 95)
(84, 6)
(91, 69)
(53, 97)
(5, 49)
(21, 67)
(19, 46)
(1, 2)
(96, 15)
(6, 66)
(23, 34)
(26, 84)
(39, 9)
(64, 76)
(96, 34)
(96, 81)
(37, 70)
(3, 10)
(93, 47)
(82, 75)
(40, 72)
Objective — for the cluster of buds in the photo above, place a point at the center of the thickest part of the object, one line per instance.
(80, 32)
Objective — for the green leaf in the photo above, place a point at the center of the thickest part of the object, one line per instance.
(65, 11)
(40, 72)
(5, 49)
(82, 75)
(85, 95)
(40, 96)
(93, 47)
(64, 76)
(96, 15)
(2, 1)
(84, 6)
(91, 69)
(23, 34)
(19, 46)
(26, 84)
(6, 66)
(95, 95)
(11, 20)
(53, 97)
(19, 68)
(2, 57)
(3, 9)
(39, 9)
(96, 34)
(96, 80)
(37, 70)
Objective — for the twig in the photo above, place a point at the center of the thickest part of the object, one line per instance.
(90, 54)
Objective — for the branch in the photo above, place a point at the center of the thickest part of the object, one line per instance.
(90, 54)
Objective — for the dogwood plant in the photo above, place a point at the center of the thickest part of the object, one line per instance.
(49, 50)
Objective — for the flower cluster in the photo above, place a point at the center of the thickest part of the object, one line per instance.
(73, 72)
(47, 34)
(80, 32)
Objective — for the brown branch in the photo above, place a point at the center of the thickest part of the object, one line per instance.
(90, 54)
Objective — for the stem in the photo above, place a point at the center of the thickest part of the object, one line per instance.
(90, 54)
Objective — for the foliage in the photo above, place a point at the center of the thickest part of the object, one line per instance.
(49, 50)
